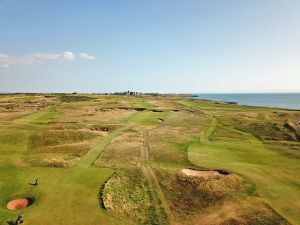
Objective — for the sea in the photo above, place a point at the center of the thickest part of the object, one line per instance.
(274, 100)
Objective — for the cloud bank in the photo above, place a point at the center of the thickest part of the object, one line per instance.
(86, 56)
(7, 61)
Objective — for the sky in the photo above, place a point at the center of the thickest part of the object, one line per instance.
(166, 46)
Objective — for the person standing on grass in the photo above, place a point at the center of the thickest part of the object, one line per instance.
(36, 181)
(20, 218)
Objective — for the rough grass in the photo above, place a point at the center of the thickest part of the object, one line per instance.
(126, 194)
(252, 159)
(223, 133)
(59, 137)
(267, 126)
(190, 195)
(169, 140)
(59, 160)
(93, 114)
(74, 98)
(124, 150)
(214, 200)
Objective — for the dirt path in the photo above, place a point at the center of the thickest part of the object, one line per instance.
(160, 203)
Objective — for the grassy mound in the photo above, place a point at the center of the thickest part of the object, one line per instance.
(218, 200)
(74, 98)
(267, 126)
(126, 195)
(191, 194)
(59, 137)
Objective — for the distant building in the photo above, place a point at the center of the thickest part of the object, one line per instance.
(127, 93)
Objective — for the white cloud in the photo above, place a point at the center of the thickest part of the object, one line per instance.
(47, 56)
(4, 60)
(7, 61)
(68, 56)
(86, 56)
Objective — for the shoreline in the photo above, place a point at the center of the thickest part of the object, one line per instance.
(238, 104)
(197, 97)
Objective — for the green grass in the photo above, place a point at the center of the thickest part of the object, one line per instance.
(74, 98)
(40, 117)
(149, 118)
(62, 197)
(82, 133)
(93, 154)
(127, 195)
(271, 172)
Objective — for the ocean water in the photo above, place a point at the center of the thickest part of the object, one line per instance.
(275, 100)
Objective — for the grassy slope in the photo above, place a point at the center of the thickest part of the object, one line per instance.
(276, 176)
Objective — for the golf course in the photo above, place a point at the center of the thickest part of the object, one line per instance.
(146, 159)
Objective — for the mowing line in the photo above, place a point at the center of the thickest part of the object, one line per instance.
(160, 203)
(92, 155)
(205, 138)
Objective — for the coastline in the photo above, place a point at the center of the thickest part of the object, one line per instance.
(233, 101)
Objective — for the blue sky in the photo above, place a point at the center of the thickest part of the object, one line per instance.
(189, 46)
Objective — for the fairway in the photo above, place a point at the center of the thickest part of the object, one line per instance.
(149, 112)
(104, 159)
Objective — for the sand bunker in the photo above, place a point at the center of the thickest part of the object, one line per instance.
(17, 204)
(200, 173)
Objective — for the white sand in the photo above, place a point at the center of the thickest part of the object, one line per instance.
(200, 173)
